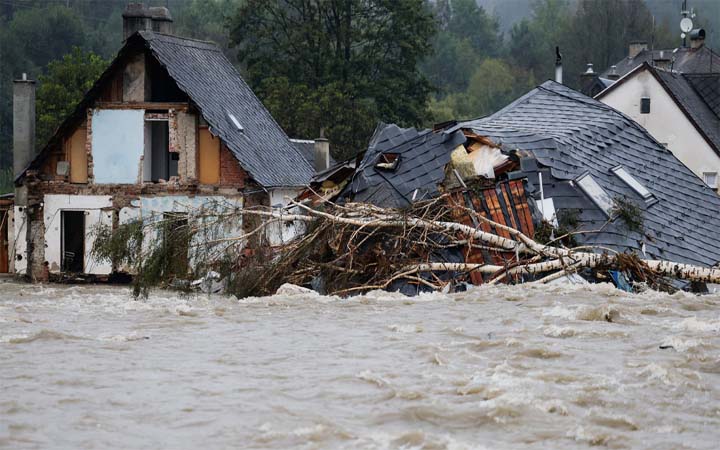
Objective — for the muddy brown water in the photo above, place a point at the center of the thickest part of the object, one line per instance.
(88, 367)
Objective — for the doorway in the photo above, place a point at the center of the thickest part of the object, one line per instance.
(73, 241)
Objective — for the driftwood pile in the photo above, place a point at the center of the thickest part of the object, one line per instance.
(352, 248)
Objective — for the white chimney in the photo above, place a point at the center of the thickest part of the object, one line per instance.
(322, 153)
(558, 66)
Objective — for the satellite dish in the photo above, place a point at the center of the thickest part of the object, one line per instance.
(686, 24)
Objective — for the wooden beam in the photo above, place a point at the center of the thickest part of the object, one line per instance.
(179, 106)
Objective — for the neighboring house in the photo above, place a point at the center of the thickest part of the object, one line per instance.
(681, 111)
(587, 156)
(170, 126)
(697, 58)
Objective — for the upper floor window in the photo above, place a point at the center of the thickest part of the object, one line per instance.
(710, 178)
(645, 105)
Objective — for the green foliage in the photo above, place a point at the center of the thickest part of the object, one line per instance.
(336, 64)
(6, 180)
(155, 251)
(629, 213)
(62, 87)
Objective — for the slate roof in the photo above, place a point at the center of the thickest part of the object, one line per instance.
(570, 134)
(687, 60)
(423, 157)
(306, 147)
(202, 71)
(693, 101)
(707, 85)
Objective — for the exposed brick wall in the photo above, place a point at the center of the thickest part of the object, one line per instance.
(231, 174)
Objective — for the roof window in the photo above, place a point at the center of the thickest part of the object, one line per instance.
(596, 193)
(236, 122)
(388, 161)
(633, 183)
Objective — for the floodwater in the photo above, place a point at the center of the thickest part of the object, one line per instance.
(88, 367)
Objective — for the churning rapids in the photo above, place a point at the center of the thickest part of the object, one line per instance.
(502, 367)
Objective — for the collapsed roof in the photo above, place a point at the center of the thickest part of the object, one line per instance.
(572, 136)
(419, 159)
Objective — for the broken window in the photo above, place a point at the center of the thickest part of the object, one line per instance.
(159, 162)
(710, 178)
(631, 181)
(596, 193)
(388, 161)
(209, 160)
(645, 105)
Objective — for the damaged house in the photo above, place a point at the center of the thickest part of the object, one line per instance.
(552, 157)
(169, 126)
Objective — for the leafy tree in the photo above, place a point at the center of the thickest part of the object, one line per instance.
(336, 64)
(62, 87)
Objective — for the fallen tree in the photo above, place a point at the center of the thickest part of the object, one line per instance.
(356, 247)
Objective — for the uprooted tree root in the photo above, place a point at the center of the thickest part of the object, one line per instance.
(354, 248)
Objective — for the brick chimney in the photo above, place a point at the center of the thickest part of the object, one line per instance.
(697, 38)
(636, 47)
(23, 123)
(138, 17)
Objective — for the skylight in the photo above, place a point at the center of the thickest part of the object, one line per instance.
(235, 122)
(632, 182)
(596, 193)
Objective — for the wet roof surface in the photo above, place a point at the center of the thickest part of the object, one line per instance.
(201, 70)
(571, 134)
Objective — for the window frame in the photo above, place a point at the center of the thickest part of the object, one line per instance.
(633, 183)
(591, 188)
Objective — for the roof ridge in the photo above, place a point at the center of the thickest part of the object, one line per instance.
(180, 38)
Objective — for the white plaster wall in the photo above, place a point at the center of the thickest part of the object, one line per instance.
(153, 208)
(20, 244)
(279, 233)
(94, 216)
(666, 122)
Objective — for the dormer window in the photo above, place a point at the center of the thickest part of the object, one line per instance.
(597, 194)
(633, 183)
(645, 105)
(388, 161)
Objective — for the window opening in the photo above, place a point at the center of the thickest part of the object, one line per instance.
(388, 161)
(710, 178)
(596, 193)
(159, 162)
(645, 105)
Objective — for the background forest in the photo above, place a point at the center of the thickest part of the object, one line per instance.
(342, 65)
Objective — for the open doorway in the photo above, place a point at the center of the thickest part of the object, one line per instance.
(73, 241)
